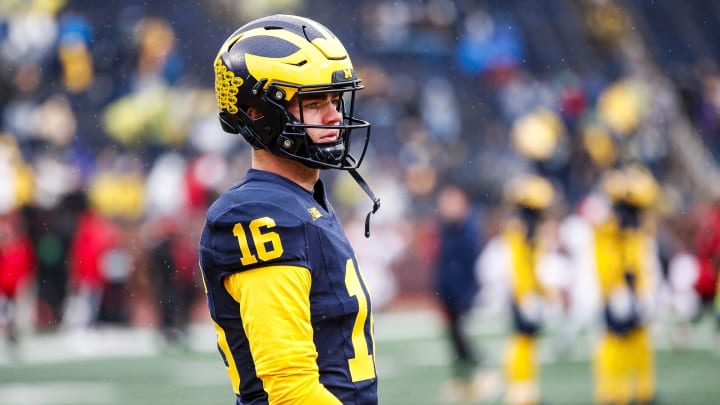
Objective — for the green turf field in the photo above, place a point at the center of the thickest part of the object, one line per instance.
(411, 360)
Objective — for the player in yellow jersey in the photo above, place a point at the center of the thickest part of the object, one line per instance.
(510, 264)
(628, 273)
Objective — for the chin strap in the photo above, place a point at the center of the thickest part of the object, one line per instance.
(376, 201)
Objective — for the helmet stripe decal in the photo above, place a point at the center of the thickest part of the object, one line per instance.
(267, 46)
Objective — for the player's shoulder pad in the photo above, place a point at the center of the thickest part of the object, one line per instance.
(246, 204)
(247, 228)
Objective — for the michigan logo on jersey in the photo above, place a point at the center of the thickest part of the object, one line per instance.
(314, 213)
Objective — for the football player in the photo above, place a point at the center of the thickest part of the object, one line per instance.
(291, 310)
(513, 267)
(628, 274)
(530, 197)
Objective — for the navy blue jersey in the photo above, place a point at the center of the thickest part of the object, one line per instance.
(286, 295)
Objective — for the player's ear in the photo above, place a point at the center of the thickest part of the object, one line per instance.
(253, 113)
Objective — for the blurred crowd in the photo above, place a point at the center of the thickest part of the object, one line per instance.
(111, 149)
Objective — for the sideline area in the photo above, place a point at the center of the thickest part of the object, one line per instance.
(121, 366)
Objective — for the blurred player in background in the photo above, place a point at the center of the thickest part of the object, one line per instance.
(522, 266)
(530, 197)
(456, 286)
(290, 307)
(628, 274)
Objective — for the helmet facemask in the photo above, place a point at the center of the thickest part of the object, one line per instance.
(294, 142)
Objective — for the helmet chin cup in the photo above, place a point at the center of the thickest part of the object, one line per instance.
(332, 153)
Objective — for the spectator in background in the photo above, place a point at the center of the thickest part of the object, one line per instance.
(17, 253)
(90, 266)
(17, 267)
(456, 285)
(173, 261)
(52, 228)
(100, 260)
(706, 246)
(175, 199)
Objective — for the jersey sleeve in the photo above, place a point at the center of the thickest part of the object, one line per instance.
(241, 237)
(275, 312)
